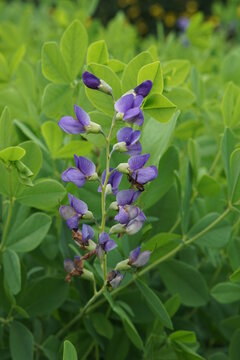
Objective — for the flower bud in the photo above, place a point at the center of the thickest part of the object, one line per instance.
(88, 215)
(108, 189)
(87, 275)
(114, 206)
(123, 265)
(117, 229)
(120, 146)
(93, 177)
(91, 245)
(93, 128)
(123, 168)
(104, 87)
(119, 116)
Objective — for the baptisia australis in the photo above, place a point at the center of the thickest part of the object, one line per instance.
(130, 218)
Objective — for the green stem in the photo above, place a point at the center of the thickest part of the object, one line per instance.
(9, 216)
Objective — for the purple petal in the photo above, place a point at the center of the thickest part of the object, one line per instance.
(72, 223)
(131, 114)
(134, 149)
(134, 254)
(79, 206)
(91, 80)
(139, 119)
(141, 216)
(124, 103)
(68, 265)
(138, 161)
(86, 166)
(122, 216)
(82, 116)
(75, 176)
(87, 232)
(115, 282)
(142, 259)
(144, 88)
(142, 176)
(70, 125)
(133, 211)
(103, 238)
(127, 197)
(115, 181)
(110, 245)
(135, 136)
(125, 134)
(67, 212)
(133, 227)
(137, 101)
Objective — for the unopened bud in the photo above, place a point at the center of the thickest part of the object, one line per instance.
(87, 275)
(123, 168)
(117, 229)
(88, 215)
(104, 87)
(123, 265)
(93, 177)
(108, 189)
(120, 146)
(114, 206)
(91, 245)
(93, 128)
(119, 116)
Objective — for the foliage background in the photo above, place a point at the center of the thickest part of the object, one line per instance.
(193, 137)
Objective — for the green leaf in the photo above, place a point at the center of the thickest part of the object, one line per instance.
(185, 280)
(102, 325)
(231, 105)
(53, 136)
(172, 305)
(98, 53)
(100, 100)
(21, 342)
(217, 237)
(228, 145)
(116, 66)
(181, 97)
(208, 186)
(33, 156)
(79, 147)
(12, 153)
(73, 47)
(193, 154)
(29, 134)
(155, 304)
(5, 128)
(175, 72)
(235, 277)
(231, 67)
(130, 74)
(184, 336)
(69, 351)
(44, 195)
(226, 293)
(234, 346)
(30, 233)
(184, 352)
(12, 271)
(53, 66)
(132, 333)
(159, 107)
(57, 100)
(234, 183)
(43, 296)
(152, 72)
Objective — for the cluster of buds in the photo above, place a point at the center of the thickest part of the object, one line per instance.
(130, 218)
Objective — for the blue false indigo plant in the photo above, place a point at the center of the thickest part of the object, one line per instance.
(130, 218)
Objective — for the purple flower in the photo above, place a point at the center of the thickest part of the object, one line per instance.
(93, 82)
(90, 80)
(132, 217)
(144, 88)
(128, 109)
(114, 278)
(113, 181)
(106, 243)
(74, 212)
(138, 259)
(127, 197)
(138, 175)
(182, 23)
(87, 233)
(68, 265)
(85, 170)
(128, 141)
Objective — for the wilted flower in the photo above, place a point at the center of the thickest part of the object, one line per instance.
(144, 88)
(79, 126)
(85, 170)
(114, 278)
(74, 268)
(138, 259)
(128, 141)
(128, 109)
(93, 82)
(113, 181)
(82, 237)
(74, 212)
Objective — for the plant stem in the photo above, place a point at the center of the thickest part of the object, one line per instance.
(9, 216)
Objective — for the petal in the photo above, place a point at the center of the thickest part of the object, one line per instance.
(110, 245)
(70, 125)
(142, 259)
(75, 176)
(135, 136)
(147, 174)
(141, 216)
(126, 197)
(133, 211)
(72, 223)
(116, 281)
(138, 101)
(125, 134)
(82, 116)
(134, 254)
(131, 114)
(122, 216)
(144, 88)
(103, 238)
(67, 212)
(68, 265)
(79, 206)
(86, 166)
(90, 80)
(138, 161)
(139, 119)
(133, 227)
(134, 149)
(117, 177)
(87, 232)
(124, 103)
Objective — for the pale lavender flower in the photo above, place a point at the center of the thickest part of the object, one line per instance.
(138, 259)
